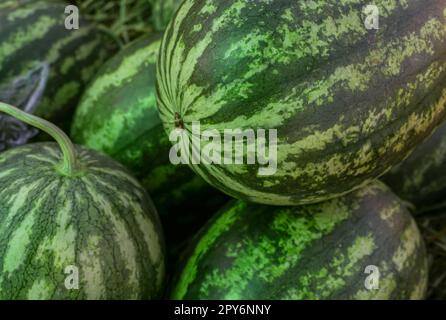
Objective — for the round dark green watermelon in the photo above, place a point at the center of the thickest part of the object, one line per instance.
(421, 178)
(364, 245)
(34, 32)
(93, 235)
(347, 103)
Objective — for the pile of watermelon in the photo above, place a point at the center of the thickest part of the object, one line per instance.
(331, 185)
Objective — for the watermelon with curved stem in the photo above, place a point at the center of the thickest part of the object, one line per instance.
(34, 32)
(74, 224)
(362, 246)
(348, 103)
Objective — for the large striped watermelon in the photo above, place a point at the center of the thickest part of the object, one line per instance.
(361, 246)
(348, 103)
(118, 116)
(32, 32)
(421, 178)
(163, 11)
(84, 230)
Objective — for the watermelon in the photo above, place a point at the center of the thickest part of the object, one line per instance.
(117, 115)
(362, 246)
(34, 32)
(345, 102)
(74, 225)
(163, 11)
(421, 178)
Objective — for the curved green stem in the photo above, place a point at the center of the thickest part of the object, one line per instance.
(69, 165)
